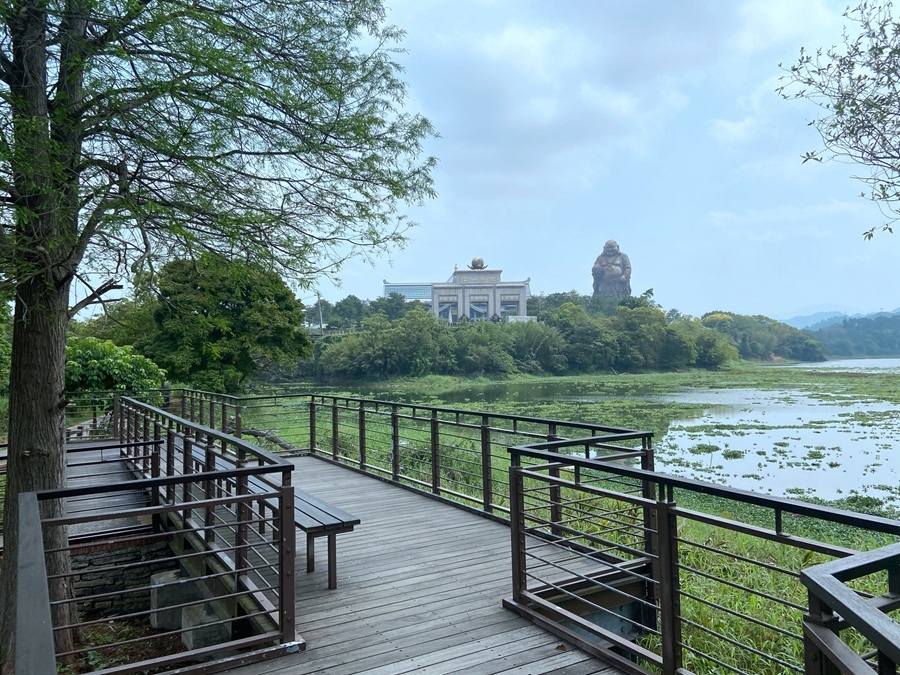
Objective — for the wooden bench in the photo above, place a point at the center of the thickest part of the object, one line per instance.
(318, 518)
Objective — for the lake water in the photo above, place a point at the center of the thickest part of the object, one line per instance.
(783, 443)
(789, 443)
(786, 444)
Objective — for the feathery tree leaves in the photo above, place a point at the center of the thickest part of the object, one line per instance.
(135, 132)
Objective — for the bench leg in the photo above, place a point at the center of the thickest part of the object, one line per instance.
(332, 557)
(332, 561)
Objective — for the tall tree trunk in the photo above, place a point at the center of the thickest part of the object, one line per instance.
(45, 167)
(37, 459)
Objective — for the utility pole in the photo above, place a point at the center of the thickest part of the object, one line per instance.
(321, 323)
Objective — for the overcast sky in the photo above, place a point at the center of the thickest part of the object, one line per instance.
(565, 123)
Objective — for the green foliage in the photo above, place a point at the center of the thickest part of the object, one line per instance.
(219, 322)
(761, 338)
(394, 306)
(570, 340)
(93, 364)
(124, 322)
(484, 348)
(5, 348)
(538, 348)
(876, 336)
(349, 312)
(591, 344)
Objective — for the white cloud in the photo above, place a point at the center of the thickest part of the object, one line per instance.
(788, 222)
(725, 131)
(540, 52)
(618, 103)
(766, 23)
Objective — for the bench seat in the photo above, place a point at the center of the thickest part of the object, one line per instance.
(318, 518)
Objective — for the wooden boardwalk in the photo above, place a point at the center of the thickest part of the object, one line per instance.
(419, 591)
(100, 466)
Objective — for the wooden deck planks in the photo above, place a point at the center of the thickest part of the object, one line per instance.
(420, 586)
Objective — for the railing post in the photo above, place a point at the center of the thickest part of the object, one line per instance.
(648, 492)
(117, 418)
(486, 486)
(212, 413)
(145, 436)
(241, 531)
(669, 596)
(814, 661)
(209, 489)
(395, 443)
(435, 453)
(362, 435)
(170, 461)
(555, 493)
(287, 554)
(187, 470)
(335, 429)
(517, 529)
(238, 420)
(312, 424)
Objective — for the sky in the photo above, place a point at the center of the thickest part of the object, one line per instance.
(565, 123)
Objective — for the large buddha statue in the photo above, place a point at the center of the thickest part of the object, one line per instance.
(612, 272)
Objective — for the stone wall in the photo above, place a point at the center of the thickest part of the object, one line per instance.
(116, 569)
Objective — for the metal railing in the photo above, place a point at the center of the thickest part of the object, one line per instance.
(458, 455)
(655, 573)
(190, 561)
(605, 555)
(715, 588)
(835, 606)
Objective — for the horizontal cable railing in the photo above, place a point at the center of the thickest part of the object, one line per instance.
(189, 558)
(458, 455)
(656, 573)
(607, 555)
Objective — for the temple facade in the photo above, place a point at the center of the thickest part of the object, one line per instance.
(476, 293)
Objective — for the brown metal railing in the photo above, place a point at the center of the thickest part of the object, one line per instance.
(604, 550)
(458, 455)
(200, 546)
(605, 555)
(836, 606)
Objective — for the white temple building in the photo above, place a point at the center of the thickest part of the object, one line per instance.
(476, 293)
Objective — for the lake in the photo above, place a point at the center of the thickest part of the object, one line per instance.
(815, 437)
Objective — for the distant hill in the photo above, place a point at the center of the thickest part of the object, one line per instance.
(821, 320)
(872, 335)
(815, 321)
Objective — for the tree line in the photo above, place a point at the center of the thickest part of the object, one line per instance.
(573, 334)
(862, 336)
(218, 324)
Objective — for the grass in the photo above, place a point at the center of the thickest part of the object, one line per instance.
(150, 644)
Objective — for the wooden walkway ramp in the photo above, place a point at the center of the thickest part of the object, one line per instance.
(419, 591)
(97, 463)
